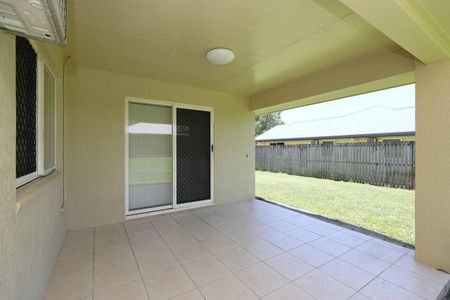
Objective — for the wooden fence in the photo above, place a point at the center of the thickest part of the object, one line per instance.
(383, 164)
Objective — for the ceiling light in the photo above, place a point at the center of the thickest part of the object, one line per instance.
(220, 56)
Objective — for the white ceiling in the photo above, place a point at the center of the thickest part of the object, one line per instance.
(274, 40)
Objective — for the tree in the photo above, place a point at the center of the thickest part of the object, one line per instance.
(267, 121)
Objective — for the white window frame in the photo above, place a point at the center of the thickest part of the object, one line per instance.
(40, 126)
(42, 67)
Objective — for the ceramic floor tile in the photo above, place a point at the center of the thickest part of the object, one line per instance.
(138, 224)
(409, 262)
(204, 233)
(110, 236)
(262, 249)
(190, 251)
(74, 266)
(148, 247)
(359, 296)
(219, 244)
(357, 234)
(289, 292)
(323, 286)
(311, 255)
(284, 241)
(346, 238)
(227, 288)
(76, 249)
(206, 270)
(242, 237)
(330, 246)
(412, 282)
(207, 245)
(116, 250)
(136, 237)
(169, 284)
(71, 279)
(289, 266)
(130, 291)
(303, 235)
(300, 220)
(346, 273)
(390, 245)
(155, 263)
(72, 287)
(321, 228)
(380, 289)
(264, 230)
(111, 271)
(237, 259)
(262, 279)
(192, 295)
(282, 226)
(365, 261)
(381, 251)
(180, 237)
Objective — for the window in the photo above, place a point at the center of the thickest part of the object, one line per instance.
(49, 122)
(35, 115)
(277, 144)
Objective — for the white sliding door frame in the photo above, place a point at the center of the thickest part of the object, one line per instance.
(129, 214)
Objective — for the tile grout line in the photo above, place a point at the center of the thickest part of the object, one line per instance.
(264, 262)
(179, 262)
(400, 287)
(231, 271)
(135, 260)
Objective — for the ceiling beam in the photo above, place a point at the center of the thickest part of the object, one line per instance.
(379, 70)
(409, 24)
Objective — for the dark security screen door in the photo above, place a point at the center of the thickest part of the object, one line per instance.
(193, 158)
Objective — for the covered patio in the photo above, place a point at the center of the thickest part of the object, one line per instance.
(127, 151)
(247, 250)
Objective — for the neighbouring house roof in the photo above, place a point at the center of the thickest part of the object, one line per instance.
(370, 122)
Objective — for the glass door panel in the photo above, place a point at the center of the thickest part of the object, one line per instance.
(150, 156)
(193, 145)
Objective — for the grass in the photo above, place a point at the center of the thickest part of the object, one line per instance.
(388, 211)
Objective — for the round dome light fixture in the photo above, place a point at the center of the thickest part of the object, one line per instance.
(220, 56)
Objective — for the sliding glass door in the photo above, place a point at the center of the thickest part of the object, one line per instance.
(150, 157)
(167, 168)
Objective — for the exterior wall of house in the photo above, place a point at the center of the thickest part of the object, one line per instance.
(95, 148)
(345, 140)
(32, 227)
(433, 161)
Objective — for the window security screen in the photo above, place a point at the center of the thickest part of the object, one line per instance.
(193, 155)
(25, 108)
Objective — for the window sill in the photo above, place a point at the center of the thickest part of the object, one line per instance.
(28, 192)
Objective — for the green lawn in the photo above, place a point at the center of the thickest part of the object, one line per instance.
(384, 210)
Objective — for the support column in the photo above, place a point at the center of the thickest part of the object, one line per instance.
(433, 164)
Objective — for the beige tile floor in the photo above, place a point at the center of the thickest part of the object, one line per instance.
(250, 250)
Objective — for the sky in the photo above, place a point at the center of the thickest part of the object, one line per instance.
(397, 97)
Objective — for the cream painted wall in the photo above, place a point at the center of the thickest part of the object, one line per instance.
(96, 141)
(433, 164)
(31, 226)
